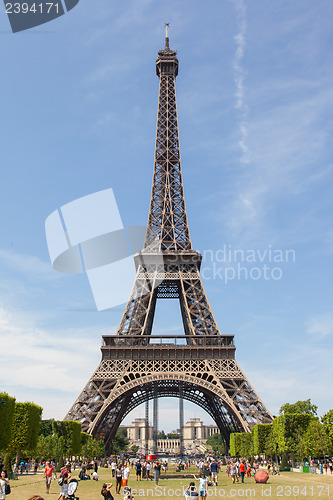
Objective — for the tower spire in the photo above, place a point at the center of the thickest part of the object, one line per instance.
(167, 220)
(167, 47)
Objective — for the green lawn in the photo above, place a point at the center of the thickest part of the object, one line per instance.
(288, 484)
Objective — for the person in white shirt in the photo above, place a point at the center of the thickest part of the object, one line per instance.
(203, 484)
(3, 482)
(148, 466)
(125, 474)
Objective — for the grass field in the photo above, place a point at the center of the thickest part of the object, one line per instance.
(288, 484)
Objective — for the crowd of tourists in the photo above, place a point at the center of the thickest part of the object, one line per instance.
(208, 474)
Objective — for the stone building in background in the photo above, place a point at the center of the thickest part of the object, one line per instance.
(194, 431)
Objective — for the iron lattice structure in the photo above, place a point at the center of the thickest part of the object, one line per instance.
(199, 366)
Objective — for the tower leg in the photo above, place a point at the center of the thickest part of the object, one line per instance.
(147, 429)
(155, 420)
(181, 422)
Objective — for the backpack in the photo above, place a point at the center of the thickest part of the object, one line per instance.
(61, 481)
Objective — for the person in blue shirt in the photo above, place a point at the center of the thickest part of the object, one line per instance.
(214, 470)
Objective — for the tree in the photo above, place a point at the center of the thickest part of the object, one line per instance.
(92, 448)
(261, 435)
(72, 436)
(327, 421)
(287, 434)
(46, 447)
(315, 442)
(173, 435)
(120, 442)
(245, 447)
(26, 423)
(235, 444)
(299, 407)
(216, 442)
(67, 436)
(161, 435)
(7, 407)
(46, 427)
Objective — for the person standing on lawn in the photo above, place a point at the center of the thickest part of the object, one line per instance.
(138, 470)
(242, 470)
(3, 483)
(65, 474)
(203, 485)
(119, 475)
(214, 471)
(48, 471)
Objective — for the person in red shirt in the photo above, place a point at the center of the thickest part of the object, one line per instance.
(242, 470)
(49, 469)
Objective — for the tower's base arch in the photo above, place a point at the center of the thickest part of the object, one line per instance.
(216, 385)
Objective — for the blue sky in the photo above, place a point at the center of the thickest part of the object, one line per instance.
(254, 94)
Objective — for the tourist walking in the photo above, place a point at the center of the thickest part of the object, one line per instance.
(242, 470)
(214, 471)
(48, 471)
(65, 474)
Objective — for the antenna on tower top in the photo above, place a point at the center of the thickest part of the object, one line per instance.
(167, 35)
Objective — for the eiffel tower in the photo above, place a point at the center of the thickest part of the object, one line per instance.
(198, 366)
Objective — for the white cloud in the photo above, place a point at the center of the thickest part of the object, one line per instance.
(239, 76)
(36, 360)
(27, 265)
(321, 326)
(297, 371)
